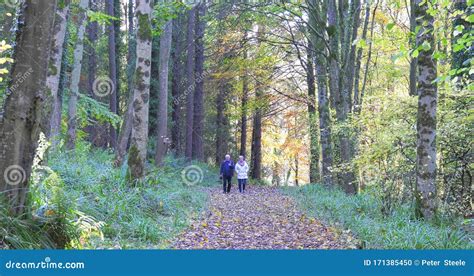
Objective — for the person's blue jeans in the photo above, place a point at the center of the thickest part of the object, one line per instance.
(242, 183)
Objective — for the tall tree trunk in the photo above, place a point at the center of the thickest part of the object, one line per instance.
(75, 76)
(95, 135)
(256, 148)
(413, 60)
(141, 94)
(426, 119)
(369, 55)
(126, 128)
(222, 122)
(177, 86)
(243, 117)
(324, 123)
(56, 116)
(112, 137)
(346, 177)
(162, 140)
(198, 120)
(312, 117)
(118, 45)
(350, 27)
(51, 124)
(350, 57)
(355, 104)
(20, 123)
(316, 13)
(190, 82)
(333, 62)
(154, 86)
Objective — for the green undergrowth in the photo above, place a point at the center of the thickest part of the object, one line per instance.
(84, 193)
(362, 215)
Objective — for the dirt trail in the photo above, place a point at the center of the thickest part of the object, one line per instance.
(262, 218)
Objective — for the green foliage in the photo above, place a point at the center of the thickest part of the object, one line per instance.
(93, 110)
(165, 11)
(21, 232)
(81, 201)
(361, 214)
(147, 215)
(3, 60)
(101, 18)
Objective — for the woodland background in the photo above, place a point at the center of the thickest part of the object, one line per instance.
(115, 114)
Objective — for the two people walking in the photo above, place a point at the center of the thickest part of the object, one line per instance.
(227, 172)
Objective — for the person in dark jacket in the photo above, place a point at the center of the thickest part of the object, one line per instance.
(227, 171)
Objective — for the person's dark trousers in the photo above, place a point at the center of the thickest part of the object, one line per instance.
(227, 180)
(242, 183)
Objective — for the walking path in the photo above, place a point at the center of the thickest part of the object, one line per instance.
(262, 218)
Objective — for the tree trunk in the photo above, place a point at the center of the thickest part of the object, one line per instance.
(95, 135)
(369, 55)
(162, 140)
(52, 122)
(350, 56)
(75, 76)
(322, 83)
(177, 86)
(190, 82)
(112, 137)
(20, 123)
(118, 45)
(345, 180)
(141, 93)
(154, 86)
(324, 123)
(126, 127)
(256, 148)
(198, 120)
(355, 104)
(243, 118)
(426, 118)
(312, 117)
(350, 26)
(222, 122)
(413, 61)
(333, 61)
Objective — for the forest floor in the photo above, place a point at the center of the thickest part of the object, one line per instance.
(262, 218)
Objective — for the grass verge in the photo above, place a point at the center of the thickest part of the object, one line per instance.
(361, 214)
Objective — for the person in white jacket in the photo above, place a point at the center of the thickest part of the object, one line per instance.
(242, 169)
